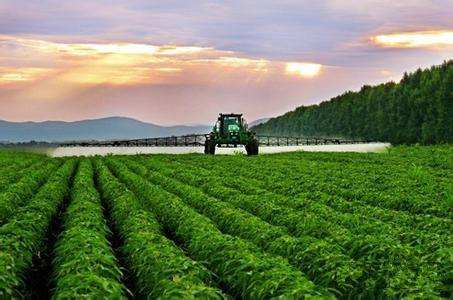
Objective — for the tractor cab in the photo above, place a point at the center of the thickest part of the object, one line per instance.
(229, 125)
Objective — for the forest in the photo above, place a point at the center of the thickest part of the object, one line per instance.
(418, 109)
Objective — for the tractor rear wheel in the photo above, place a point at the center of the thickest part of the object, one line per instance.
(209, 147)
(252, 147)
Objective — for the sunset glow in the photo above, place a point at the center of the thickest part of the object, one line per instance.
(90, 49)
(133, 64)
(415, 39)
(238, 62)
(17, 75)
(303, 69)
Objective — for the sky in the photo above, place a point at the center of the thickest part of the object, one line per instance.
(183, 62)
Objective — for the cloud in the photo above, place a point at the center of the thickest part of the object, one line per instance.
(290, 30)
(129, 63)
(415, 39)
(303, 69)
(14, 75)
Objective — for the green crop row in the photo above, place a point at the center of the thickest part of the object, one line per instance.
(288, 225)
(12, 158)
(22, 238)
(355, 217)
(84, 263)
(323, 262)
(429, 235)
(293, 177)
(436, 157)
(351, 181)
(242, 268)
(389, 263)
(18, 194)
(160, 268)
(11, 174)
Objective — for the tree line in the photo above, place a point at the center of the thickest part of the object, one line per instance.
(418, 109)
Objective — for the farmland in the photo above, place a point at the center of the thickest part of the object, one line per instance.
(288, 225)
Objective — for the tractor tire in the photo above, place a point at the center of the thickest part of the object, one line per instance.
(252, 147)
(256, 147)
(209, 147)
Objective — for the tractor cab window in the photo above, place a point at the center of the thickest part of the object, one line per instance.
(231, 123)
(232, 119)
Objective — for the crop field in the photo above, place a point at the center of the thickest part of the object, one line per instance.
(286, 225)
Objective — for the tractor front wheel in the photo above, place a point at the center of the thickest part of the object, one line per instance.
(252, 147)
(209, 147)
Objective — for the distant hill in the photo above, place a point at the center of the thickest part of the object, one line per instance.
(97, 129)
(418, 109)
(259, 121)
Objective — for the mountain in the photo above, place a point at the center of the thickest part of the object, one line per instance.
(97, 129)
(258, 121)
(418, 109)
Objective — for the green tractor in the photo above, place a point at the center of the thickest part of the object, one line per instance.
(231, 130)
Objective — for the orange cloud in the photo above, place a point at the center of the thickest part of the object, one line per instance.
(132, 64)
(19, 75)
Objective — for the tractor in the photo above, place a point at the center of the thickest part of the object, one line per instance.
(231, 130)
